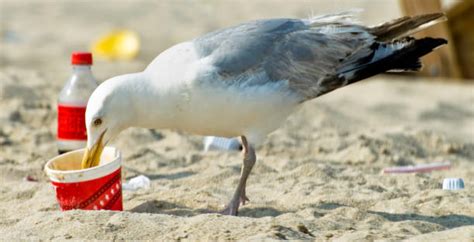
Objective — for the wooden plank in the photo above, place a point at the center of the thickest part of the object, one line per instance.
(443, 61)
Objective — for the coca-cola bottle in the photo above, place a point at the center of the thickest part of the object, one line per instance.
(72, 104)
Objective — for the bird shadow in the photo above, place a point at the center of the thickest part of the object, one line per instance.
(164, 207)
(260, 212)
(168, 176)
(329, 206)
(447, 221)
(173, 176)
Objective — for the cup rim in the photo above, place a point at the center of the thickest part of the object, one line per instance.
(72, 176)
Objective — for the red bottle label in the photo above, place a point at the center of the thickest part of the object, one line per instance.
(71, 122)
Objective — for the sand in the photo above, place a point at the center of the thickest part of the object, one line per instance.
(316, 178)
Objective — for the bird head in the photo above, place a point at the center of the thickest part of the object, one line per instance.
(107, 115)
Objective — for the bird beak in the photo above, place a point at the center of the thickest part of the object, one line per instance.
(91, 156)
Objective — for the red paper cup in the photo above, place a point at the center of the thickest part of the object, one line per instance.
(94, 188)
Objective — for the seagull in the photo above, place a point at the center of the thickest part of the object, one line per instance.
(244, 81)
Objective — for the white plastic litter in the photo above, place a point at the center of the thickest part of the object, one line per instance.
(136, 183)
(453, 184)
(418, 168)
(220, 143)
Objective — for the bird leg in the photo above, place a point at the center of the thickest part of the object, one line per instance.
(239, 194)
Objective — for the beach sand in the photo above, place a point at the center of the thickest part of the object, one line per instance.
(316, 178)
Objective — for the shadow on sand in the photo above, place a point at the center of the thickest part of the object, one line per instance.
(260, 212)
(163, 207)
(173, 176)
(447, 221)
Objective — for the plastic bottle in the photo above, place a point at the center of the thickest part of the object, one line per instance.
(72, 102)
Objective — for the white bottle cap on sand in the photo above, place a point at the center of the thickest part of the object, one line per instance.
(219, 143)
(453, 184)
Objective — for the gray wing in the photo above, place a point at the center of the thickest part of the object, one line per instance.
(309, 55)
(237, 49)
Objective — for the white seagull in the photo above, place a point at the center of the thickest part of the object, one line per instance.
(247, 79)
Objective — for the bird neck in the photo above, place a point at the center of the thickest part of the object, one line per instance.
(152, 103)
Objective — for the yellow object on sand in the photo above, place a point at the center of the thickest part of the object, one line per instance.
(117, 45)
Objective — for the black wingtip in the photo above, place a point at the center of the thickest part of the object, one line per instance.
(426, 45)
(406, 59)
(433, 41)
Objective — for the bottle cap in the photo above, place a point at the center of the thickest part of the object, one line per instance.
(453, 184)
(81, 58)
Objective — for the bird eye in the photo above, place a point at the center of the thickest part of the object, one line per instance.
(98, 122)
